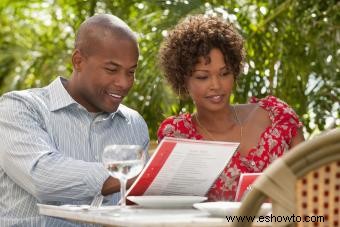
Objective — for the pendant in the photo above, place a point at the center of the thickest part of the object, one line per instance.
(252, 163)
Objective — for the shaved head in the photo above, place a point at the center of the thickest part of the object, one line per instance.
(97, 29)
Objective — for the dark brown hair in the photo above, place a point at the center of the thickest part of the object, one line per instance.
(194, 37)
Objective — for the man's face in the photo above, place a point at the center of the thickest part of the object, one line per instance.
(105, 77)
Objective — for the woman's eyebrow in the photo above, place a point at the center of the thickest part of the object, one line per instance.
(203, 70)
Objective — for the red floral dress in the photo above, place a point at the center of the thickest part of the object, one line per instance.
(274, 141)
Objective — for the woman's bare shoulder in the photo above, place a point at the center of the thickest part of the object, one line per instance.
(252, 112)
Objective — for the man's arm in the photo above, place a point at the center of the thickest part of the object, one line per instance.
(31, 160)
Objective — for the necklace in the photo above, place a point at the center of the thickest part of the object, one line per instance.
(203, 128)
(252, 162)
(238, 122)
(210, 135)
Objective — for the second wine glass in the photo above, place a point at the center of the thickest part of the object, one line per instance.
(123, 162)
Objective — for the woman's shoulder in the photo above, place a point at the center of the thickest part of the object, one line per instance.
(278, 110)
(175, 119)
(270, 102)
(253, 114)
(176, 126)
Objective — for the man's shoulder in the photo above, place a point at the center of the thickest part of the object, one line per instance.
(129, 112)
(125, 109)
(132, 116)
(29, 96)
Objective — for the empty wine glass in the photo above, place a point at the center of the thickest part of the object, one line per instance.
(123, 162)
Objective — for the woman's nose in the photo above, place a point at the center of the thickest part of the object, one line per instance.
(215, 82)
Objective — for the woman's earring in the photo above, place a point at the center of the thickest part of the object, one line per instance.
(237, 86)
(186, 91)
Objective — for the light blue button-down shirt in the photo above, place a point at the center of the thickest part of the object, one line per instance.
(50, 151)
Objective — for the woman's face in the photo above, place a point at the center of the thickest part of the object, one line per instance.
(211, 83)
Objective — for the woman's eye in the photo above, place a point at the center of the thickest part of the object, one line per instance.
(226, 73)
(201, 77)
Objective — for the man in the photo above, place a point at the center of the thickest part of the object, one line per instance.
(52, 138)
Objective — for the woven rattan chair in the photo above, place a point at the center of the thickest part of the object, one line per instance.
(304, 182)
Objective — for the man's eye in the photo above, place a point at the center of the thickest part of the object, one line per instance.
(110, 70)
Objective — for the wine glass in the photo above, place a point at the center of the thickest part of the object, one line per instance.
(123, 162)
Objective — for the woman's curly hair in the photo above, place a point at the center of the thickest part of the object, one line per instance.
(194, 37)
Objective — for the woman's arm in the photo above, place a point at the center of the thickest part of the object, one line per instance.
(298, 138)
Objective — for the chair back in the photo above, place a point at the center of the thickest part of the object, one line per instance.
(303, 185)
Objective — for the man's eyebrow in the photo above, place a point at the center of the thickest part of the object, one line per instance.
(111, 63)
(116, 64)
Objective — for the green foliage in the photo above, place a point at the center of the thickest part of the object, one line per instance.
(292, 50)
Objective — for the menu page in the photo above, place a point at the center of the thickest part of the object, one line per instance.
(183, 167)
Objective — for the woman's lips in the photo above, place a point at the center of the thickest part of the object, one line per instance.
(215, 98)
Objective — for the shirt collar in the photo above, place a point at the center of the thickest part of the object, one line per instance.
(60, 98)
(119, 112)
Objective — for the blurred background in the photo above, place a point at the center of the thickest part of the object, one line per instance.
(292, 50)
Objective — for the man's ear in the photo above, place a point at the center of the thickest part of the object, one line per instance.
(77, 59)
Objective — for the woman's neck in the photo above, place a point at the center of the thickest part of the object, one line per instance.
(216, 125)
(216, 120)
(220, 126)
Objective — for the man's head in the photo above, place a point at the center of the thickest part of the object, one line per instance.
(104, 62)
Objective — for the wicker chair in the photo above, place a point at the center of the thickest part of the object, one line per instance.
(304, 182)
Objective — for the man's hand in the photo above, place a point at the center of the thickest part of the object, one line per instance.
(112, 185)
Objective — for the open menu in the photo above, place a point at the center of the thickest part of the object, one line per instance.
(183, 167)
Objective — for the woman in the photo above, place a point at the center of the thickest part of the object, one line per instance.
(202, 57)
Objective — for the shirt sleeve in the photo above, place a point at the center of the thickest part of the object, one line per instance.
(30, 159)
(146, 141)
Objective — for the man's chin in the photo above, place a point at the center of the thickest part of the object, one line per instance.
(109, 106)
(112, 109)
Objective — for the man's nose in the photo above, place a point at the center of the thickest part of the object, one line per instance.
(123, 80)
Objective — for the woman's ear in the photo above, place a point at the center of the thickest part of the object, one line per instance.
(77, 59)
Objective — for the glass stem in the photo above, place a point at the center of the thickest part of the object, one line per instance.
(122, 191)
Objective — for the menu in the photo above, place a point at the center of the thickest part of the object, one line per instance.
(183, 167)
(245, 184)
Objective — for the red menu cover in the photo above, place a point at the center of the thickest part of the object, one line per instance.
(244, 184)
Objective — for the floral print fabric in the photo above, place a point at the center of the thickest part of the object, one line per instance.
(274, 141)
